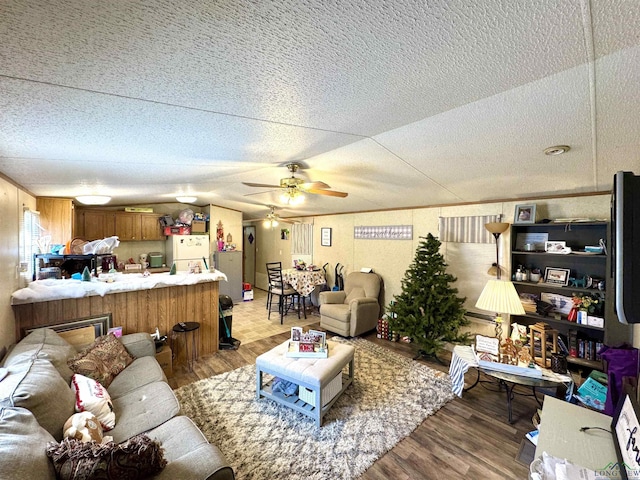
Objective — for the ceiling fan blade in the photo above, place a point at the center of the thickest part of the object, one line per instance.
(313, 185)
(260, 185)
(281, 220)
(330, 193)
(260, 193)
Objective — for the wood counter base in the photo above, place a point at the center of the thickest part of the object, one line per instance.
(135, 311)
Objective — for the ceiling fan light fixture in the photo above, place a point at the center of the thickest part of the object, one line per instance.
(186, 199)
(93, 199)
(271, 221)
(292, 196)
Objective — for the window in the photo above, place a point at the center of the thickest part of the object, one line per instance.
(30, 244)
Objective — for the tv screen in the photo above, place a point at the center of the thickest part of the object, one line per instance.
(625, 218)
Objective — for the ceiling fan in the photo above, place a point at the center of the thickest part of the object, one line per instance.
(272, 219)
(294, 186)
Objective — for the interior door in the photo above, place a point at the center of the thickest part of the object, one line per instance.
(249, 249)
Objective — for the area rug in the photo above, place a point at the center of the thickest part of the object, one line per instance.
(389, 397)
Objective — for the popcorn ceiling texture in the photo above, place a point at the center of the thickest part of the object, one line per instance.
(431, 102)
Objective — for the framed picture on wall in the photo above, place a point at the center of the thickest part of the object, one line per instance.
(325, 237)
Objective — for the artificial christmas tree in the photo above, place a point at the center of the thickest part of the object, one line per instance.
(428, 310)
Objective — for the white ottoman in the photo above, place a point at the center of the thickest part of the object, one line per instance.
(312, 373)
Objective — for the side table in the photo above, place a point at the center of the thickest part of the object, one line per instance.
(189, 329)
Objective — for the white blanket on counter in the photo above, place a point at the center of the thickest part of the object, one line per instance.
(52, 289)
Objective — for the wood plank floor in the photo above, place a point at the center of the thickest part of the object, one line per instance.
(468, 438)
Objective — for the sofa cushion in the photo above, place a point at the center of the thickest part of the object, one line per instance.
(93, 397)
(56, 354)
(140, 372)
(45, 336)
(188, 453)
(102, 360)
(143, 409)
(139, 344)
(38, 387)
(139, 457)
(22, 442)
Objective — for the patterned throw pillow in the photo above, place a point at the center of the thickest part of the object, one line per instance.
(102, 360)
(137, 458)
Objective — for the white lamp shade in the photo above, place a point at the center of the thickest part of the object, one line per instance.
(500, 296)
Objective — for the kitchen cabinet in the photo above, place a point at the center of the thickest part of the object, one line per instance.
(97, 224)
(150, 227)
(56, 217)
(128, 226)
(579, 265)
(94, 224)
(138, 226)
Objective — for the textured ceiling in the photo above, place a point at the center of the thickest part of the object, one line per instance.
(400, 104)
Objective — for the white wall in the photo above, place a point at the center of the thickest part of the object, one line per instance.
(12, 200)
(391, 258)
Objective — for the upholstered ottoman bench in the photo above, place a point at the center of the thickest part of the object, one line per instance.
(314, 374)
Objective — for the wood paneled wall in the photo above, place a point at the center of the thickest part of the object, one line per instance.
(137, 311)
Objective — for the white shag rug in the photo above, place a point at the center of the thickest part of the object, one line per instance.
(390, 396)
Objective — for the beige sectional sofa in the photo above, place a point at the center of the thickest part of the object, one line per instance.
(36, 399)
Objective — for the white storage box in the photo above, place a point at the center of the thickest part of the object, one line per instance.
(328, 392)
(247, 295)
(595, 321)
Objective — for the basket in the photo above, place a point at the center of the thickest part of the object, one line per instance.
(328, 392)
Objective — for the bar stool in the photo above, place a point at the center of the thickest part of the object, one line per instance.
(189, 329)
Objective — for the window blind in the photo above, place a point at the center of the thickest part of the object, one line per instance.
(466, 229)
(301, 238)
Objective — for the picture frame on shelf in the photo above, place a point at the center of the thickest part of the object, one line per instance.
(557, 276)
(525, 214)
(554, 246)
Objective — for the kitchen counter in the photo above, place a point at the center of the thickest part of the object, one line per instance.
(52, 289)
(134, 302)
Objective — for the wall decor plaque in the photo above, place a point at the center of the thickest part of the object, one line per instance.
(389, 232)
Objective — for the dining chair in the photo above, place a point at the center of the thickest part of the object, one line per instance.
(287, 295)
(271, 266)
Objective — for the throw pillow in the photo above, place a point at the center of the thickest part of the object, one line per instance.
(102, 360)
(93, 397)
(137, 458)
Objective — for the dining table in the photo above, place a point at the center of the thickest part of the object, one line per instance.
(303, 281)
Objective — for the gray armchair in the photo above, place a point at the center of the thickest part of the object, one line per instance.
(354, 310)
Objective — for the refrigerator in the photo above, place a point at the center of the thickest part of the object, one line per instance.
(183, 249)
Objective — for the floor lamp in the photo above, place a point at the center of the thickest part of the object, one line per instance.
(499, 296)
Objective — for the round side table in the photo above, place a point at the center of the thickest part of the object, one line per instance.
(189, 329)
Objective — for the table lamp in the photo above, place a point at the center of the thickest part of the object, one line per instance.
(498, 295)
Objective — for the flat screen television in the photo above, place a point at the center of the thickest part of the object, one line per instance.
(625, 231)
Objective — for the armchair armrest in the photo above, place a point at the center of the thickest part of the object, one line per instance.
(362, 301)
(332, 297)
(139, 344)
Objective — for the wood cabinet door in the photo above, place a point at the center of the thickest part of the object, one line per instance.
(56, 217)
(128, 226)
(98, 224)
(150, 227)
